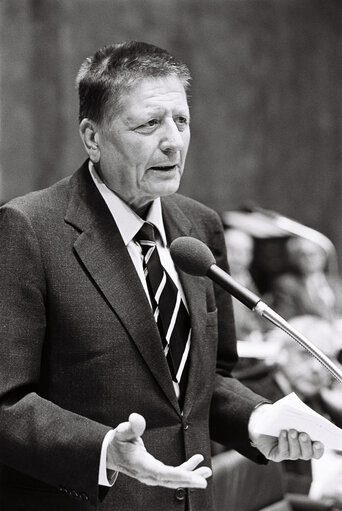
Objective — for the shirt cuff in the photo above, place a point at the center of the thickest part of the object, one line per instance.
(255, 418)
(106, 477)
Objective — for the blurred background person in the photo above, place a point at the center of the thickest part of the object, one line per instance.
(309, 297)
(296, 485)
(240, 246)
(307, 288)
(257, 358)
(298, 371)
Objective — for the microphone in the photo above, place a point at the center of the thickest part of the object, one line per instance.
(194, 257)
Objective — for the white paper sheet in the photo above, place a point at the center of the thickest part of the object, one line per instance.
(257, 349)
(291, 413)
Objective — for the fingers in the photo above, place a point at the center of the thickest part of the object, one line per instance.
(127, 454)
(307, 449)
(283, 446)
(203, 472)
(132, 429)
(138, 423)
(318, 450)
(293, 445)
(155, 473)
(175, 477)
(306, 446)
(192, 463)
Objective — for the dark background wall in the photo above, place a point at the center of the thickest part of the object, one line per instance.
(266, 97)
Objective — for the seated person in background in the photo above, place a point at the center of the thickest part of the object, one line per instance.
(307, 289)
(256, 373)
(240, 246)
(300, 372)
(295, 370)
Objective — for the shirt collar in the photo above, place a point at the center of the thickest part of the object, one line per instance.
(128, 222)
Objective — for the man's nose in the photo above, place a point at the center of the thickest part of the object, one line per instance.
(171, 140)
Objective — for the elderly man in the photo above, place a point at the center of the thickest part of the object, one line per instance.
(98, 327)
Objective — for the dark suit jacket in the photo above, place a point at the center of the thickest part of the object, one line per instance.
(80, 351)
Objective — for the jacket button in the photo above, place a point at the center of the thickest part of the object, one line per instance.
(180, 493)
(84, 496)
(185, 426)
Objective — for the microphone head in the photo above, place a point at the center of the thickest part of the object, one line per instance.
(191, 255)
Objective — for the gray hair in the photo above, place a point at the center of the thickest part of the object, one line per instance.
(114, 69)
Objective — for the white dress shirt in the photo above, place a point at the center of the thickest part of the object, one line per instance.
(129, 224)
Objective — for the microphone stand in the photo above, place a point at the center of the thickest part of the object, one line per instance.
(253, 302)
(264, 311)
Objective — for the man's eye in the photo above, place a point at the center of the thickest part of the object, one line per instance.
(149, 125)
(181, 122)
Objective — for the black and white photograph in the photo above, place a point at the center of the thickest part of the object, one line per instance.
(170, 255)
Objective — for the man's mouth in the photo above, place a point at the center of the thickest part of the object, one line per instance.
(164, 167)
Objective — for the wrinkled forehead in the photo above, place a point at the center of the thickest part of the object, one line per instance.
(150, 87)
(148, 92)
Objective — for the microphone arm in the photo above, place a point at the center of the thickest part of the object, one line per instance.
(253, 302)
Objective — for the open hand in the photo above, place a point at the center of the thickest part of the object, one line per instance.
(127, 454)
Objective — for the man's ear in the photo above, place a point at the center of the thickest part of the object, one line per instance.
(90, 137)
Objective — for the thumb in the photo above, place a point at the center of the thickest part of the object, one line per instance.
(135, 427)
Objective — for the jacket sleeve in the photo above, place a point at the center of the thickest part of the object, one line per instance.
(232, 402)
(37, 437)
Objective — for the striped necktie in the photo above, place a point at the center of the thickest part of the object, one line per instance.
(169, 311)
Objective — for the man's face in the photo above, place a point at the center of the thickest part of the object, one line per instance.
(143, 149)
(307, 257)
(306, 375)
(240, 250)
(304, 372)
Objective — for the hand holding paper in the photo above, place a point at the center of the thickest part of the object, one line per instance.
(289, 429)
(291, 413)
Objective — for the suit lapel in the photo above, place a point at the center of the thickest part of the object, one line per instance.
(104, 255)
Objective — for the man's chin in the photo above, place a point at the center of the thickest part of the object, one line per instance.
(167, 187)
